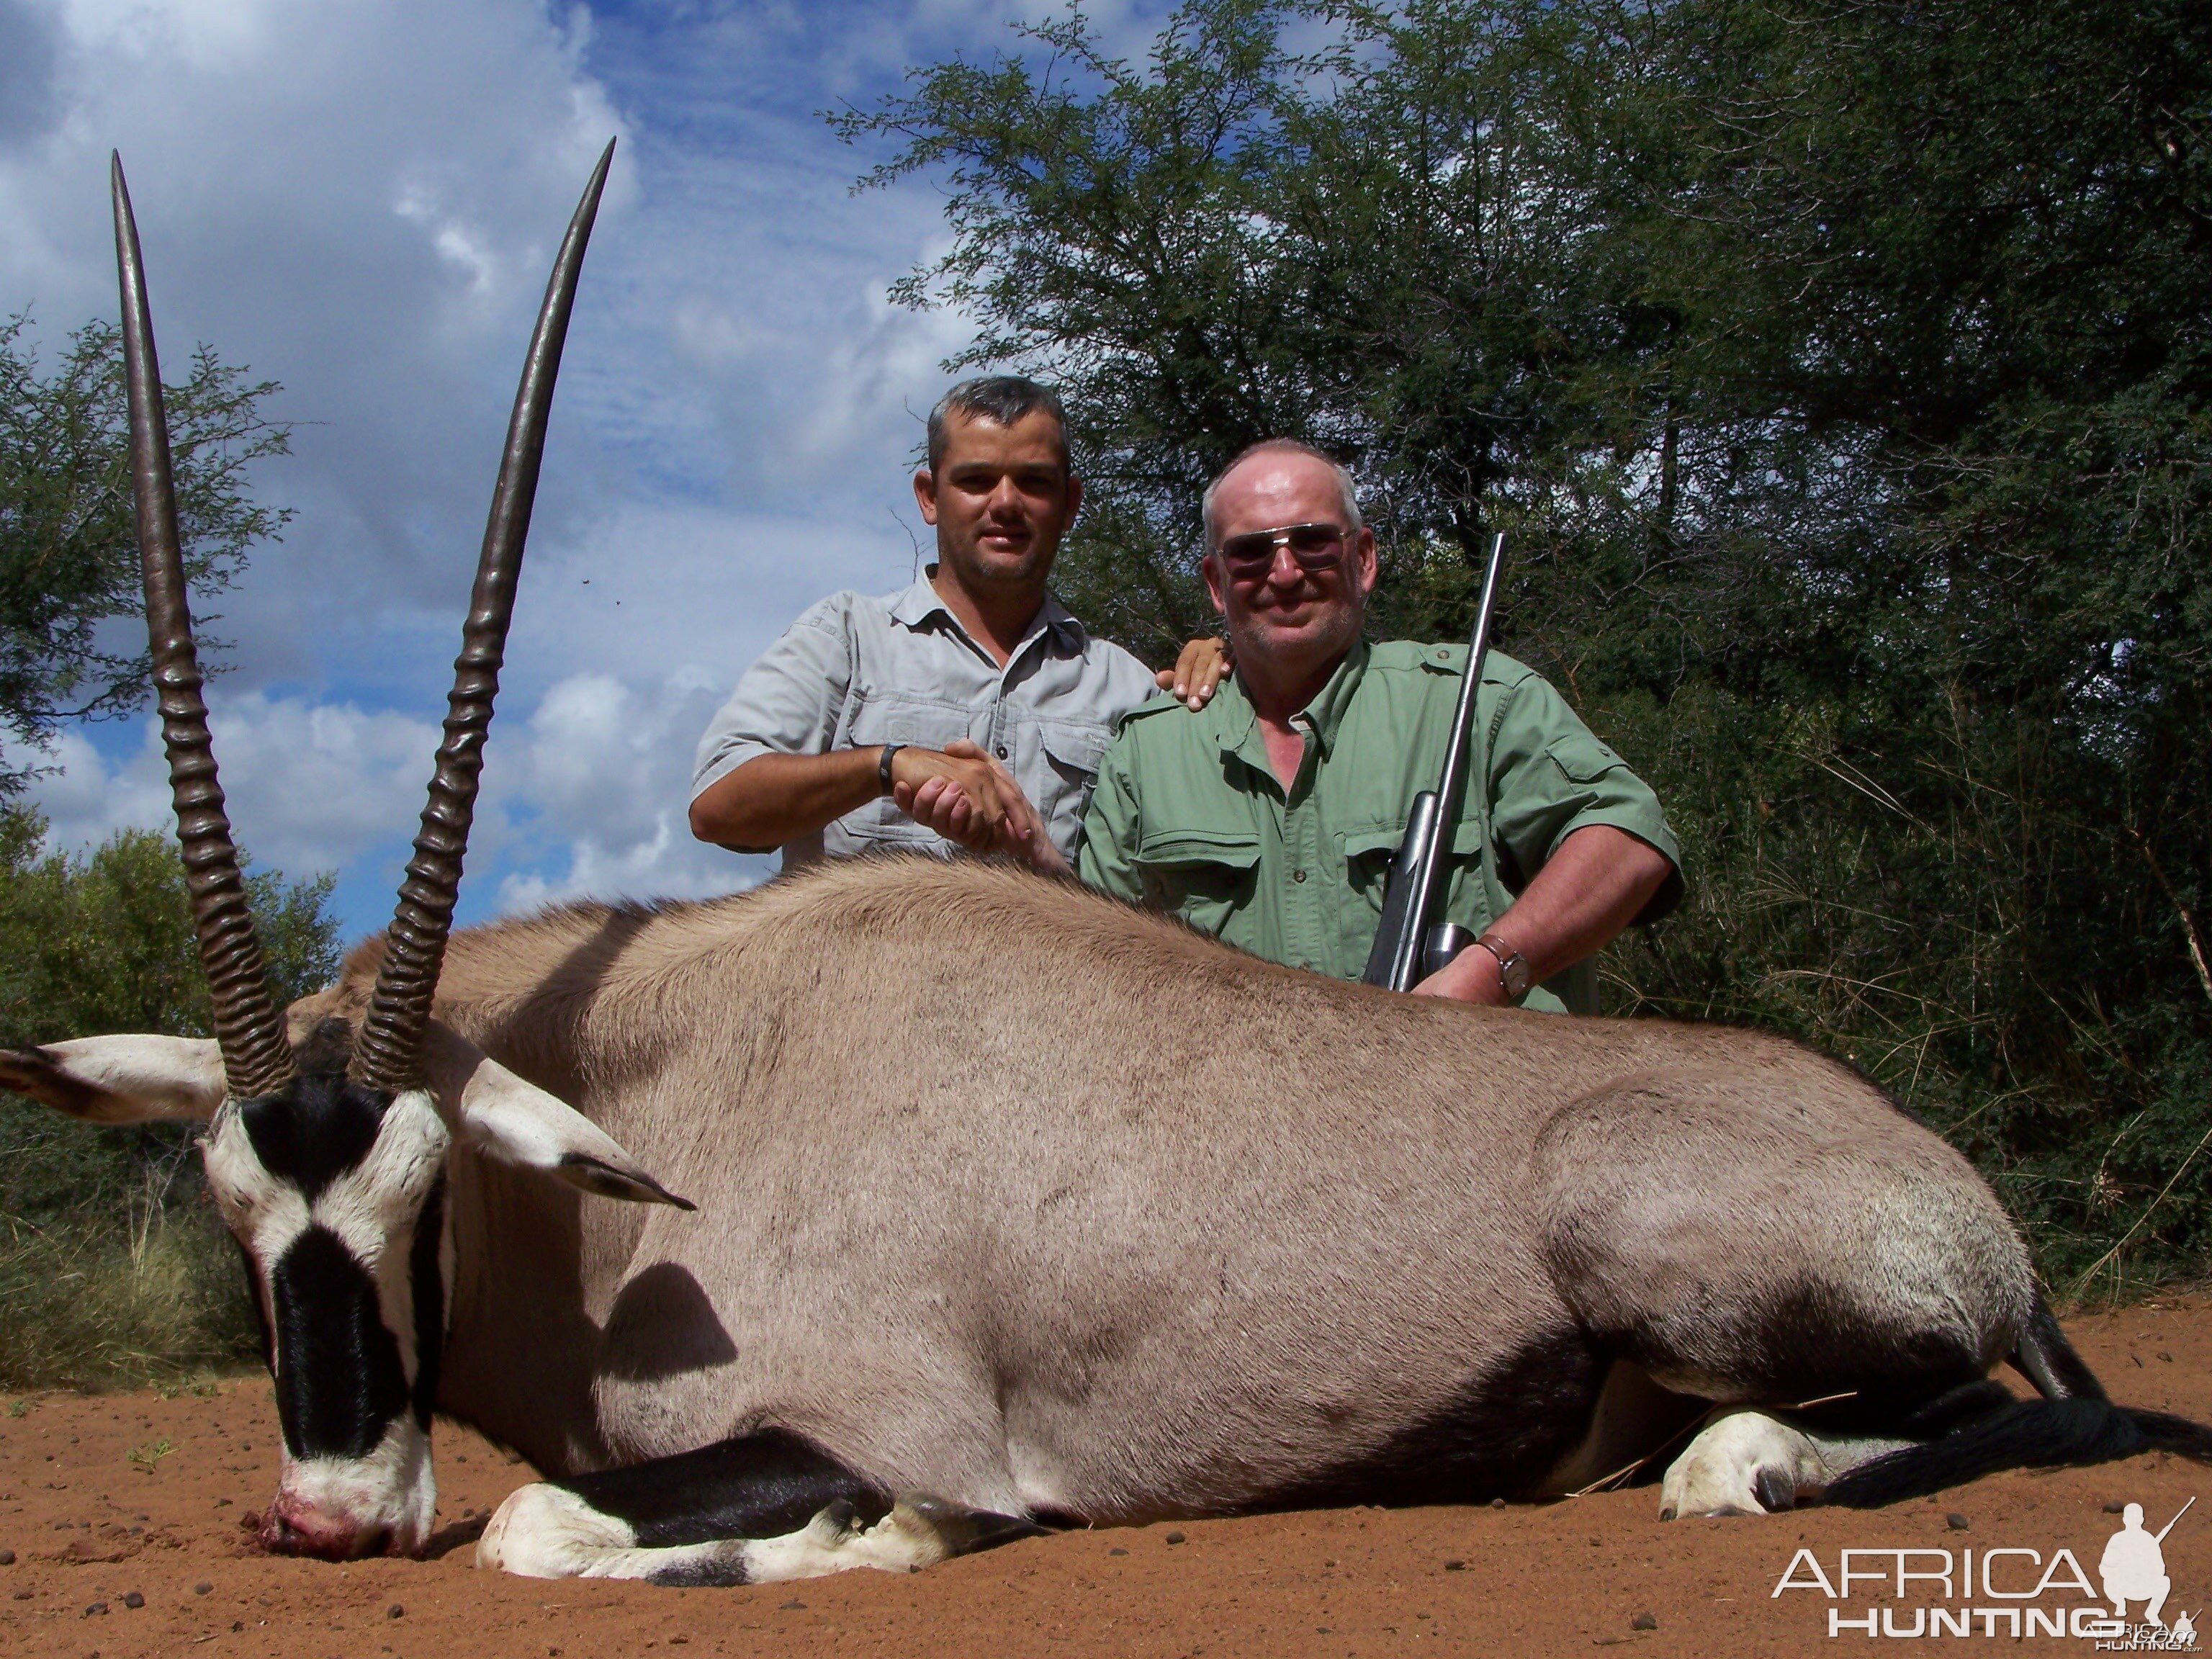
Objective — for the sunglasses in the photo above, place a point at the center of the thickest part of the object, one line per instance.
(1315, 546)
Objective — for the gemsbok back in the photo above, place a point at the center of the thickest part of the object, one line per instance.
(1016, 1207)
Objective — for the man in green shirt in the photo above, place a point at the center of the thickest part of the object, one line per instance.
(1269, 819)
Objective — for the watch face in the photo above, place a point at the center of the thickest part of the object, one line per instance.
(1512, 967)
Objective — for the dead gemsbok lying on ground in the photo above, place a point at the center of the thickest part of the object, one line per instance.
(1018, 1207)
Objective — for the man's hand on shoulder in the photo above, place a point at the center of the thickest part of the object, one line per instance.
(967, 797)
(1203, 664)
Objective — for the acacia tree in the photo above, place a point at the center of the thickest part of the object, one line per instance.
(69, 550)
(1381, 243)
(1840, 367)
(113, 1267)
(110, 1268)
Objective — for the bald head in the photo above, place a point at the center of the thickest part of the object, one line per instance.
(1279, 449)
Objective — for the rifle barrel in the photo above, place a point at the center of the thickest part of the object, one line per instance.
(1451, 790)
(2170, 1525)
(1421, 877)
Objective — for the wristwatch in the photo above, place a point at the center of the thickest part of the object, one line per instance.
(884, 766)
(1512, 966)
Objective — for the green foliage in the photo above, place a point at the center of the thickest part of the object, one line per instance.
(69, 550)
(1842, 370)
(112, 1265)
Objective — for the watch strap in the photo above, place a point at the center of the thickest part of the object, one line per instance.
(1512, 966)
(883, 767)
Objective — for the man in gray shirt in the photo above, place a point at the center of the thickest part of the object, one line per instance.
(969, 709)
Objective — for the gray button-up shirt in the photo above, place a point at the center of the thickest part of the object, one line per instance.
(854, 671)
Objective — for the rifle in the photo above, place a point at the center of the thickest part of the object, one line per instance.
(1411, 944)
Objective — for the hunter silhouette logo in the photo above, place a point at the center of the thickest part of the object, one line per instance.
(2134, 1565)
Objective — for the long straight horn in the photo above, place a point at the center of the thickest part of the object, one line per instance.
(387, 1051)
(256, 1059)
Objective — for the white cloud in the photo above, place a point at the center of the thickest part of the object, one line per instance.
(85, 799)
(361, 198)
(606, 773)
(309, 787)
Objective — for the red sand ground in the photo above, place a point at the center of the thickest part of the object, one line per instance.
(103, 1498)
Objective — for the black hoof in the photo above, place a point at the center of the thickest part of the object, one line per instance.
(1776, 1490)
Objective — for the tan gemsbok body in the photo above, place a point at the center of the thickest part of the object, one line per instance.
(1015, 1205)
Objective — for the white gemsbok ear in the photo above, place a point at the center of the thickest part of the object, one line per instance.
(514, 1121)
(121, 1080)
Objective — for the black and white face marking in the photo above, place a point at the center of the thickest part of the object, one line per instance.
(336, 1194)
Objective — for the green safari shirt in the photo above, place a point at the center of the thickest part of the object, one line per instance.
(1188, 816)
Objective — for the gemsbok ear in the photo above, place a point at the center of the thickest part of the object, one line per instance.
(121, 1080)
(517, 1122)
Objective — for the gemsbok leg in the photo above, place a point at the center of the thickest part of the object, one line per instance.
(753, 1511)
(1754, 1253)
(1829, 1265)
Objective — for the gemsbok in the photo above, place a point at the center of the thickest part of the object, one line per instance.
(1007, 1207)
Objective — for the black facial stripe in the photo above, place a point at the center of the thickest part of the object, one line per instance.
(429, 1300)
(317, 1129)
(339, 1380)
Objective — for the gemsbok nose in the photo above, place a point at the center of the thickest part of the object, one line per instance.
(288, 1529)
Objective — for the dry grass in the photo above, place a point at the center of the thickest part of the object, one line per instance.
(108, 1300)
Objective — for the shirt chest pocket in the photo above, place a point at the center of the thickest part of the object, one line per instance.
(881, 719)
(1200, 875)
(1071, 752)
(1370, 851)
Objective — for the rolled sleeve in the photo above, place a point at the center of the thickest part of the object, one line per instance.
(787, 703)
(1550, 776)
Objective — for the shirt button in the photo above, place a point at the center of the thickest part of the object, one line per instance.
(1298, 875)
(1002, 751)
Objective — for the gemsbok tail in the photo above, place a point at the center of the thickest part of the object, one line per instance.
(2073, 1423)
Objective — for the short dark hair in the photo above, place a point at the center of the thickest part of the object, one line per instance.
(1001, 400)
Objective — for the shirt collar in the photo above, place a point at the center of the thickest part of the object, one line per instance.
(1326, 712)
(920, 602)
(1236, 722)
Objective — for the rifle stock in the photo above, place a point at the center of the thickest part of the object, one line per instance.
(1411, 942)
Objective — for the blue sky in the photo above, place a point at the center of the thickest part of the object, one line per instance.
(359, 198)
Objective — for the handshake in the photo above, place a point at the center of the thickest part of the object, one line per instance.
(967, 796)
